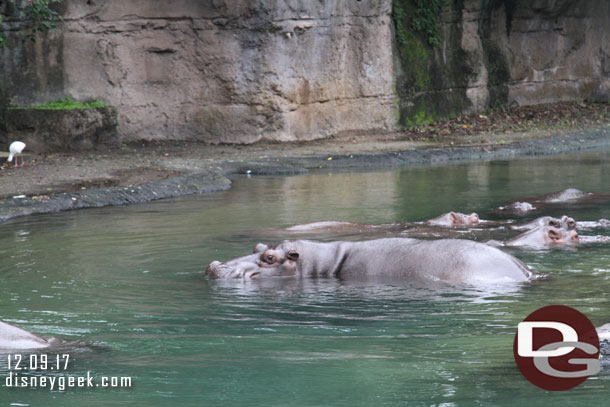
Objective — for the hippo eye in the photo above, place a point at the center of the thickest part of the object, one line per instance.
(554, 223)
(268, 257)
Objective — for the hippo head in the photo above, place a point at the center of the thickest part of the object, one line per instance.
(461, 219)
(264, 262)
(567, 223)
(560, 236)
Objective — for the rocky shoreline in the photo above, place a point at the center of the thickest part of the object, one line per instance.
(200, 172)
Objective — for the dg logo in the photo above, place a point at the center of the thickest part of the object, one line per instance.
(556, 348)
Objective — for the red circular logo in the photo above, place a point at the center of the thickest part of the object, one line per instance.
(556, 348)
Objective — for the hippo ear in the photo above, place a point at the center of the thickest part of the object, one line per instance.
(554, 234)
(455, 220)
(260, 248)
(292, 255)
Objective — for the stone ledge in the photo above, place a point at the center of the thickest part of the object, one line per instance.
(45, 131)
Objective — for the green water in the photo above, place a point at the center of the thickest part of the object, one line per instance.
(129, 279)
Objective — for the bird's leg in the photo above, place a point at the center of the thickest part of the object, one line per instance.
(22, 162)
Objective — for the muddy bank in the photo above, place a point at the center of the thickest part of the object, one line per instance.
(145, 172)
(201, 183)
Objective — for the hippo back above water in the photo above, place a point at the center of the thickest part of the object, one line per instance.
(449, 260)
(12, 338)
(453, 219)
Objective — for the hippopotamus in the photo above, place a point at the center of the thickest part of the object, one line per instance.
(12, 337)
(334, 226)
(565, 222)
(602, 223)
(453, 219)
(518, 208)
(448, 260)
(450, 219)
(566, 195)
(603, 332)
(542, 236)
(594, 239)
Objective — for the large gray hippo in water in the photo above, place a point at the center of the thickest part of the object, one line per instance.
(13, 338)
(450, 260)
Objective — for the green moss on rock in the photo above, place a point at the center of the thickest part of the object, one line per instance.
(64, 104)
(428, 76)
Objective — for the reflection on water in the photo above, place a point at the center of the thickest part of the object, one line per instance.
(130, 279)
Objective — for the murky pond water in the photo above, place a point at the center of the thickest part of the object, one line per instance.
(129, 279)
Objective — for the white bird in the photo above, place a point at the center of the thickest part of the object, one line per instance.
(15, 150)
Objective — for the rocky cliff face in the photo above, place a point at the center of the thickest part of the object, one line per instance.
(242, 71)
(227, 71)
(503, 52)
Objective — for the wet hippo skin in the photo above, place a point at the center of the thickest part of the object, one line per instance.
(12, 337)
(450, 260)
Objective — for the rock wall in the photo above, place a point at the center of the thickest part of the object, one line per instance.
(502, 52)
(45, 131)
(224, 70)
(246, 70)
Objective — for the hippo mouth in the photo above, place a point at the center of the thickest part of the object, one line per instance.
(216, 270)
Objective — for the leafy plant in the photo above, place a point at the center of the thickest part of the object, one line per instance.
(426, 19)
(40, 17)
(420, 16)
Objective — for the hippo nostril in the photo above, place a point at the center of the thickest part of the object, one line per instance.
(212, 269)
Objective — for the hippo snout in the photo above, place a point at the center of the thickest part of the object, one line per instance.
(212, 270)
(217, 269)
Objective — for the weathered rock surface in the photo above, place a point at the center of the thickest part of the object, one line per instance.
(46, 131)
(494, 53)
(223, 71)
(226, 71)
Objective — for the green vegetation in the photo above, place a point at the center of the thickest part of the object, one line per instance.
(421, 118)
(420, 16)
(416, 35)
(425, 20)
(428, 80)
(40, 17)
(65, 104)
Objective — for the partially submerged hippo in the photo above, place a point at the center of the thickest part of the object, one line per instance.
(540, 237)
(333, 226)
(565, 222)
(453, 219)
(521, 206)
(12, 337)
(566, 195)
(518, 208)
(596, 224)
(450, 260)
(450, 219)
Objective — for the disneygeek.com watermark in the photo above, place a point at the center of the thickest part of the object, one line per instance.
(37, 371)
(557, 348)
